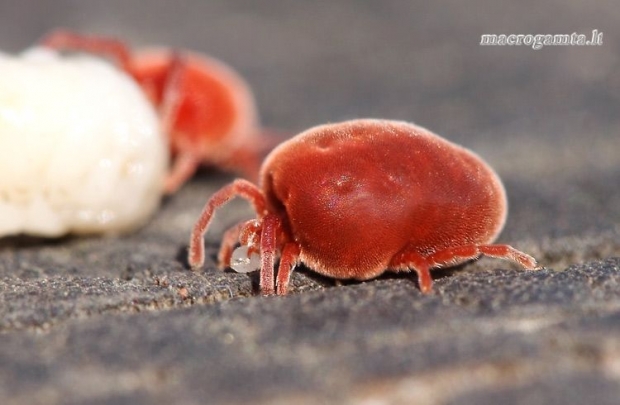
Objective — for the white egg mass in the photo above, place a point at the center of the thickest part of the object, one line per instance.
(81, 149)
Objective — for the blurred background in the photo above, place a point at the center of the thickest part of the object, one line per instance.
(551, 113)
(311, 63)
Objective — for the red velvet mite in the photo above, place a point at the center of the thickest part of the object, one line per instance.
(206, 108)
(355, 199)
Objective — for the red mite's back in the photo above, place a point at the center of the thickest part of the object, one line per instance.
(359, 192)
(215, 105)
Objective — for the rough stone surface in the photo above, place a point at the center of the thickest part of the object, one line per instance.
(120, 320)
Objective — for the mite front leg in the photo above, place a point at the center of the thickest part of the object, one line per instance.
(271, 227)
(175, 90)
(288, 261)
(229, 240)
(247, 233)
(241, 188)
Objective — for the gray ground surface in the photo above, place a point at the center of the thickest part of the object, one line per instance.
(122, 320)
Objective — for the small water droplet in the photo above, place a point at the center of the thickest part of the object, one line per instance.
(241, 263)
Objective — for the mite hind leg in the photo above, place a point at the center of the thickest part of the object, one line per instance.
(411, 260)
(407, 260)
(460, 254)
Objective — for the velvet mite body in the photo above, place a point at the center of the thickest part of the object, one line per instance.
(205, 107)
(355, 199)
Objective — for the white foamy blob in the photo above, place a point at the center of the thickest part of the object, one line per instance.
(81, 148)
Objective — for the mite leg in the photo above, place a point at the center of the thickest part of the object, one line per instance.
(107, 47)
(229, 240)
(460, 254)
(187, 161)
(250, 235)
(509, 253)
(173, 91)
(409, 260)
(271, 227)
(289, 259)
(241, 188)
(183, 168)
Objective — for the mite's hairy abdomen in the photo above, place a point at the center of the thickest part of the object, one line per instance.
(357, 195)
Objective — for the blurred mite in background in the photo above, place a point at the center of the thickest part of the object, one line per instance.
(207, 110)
